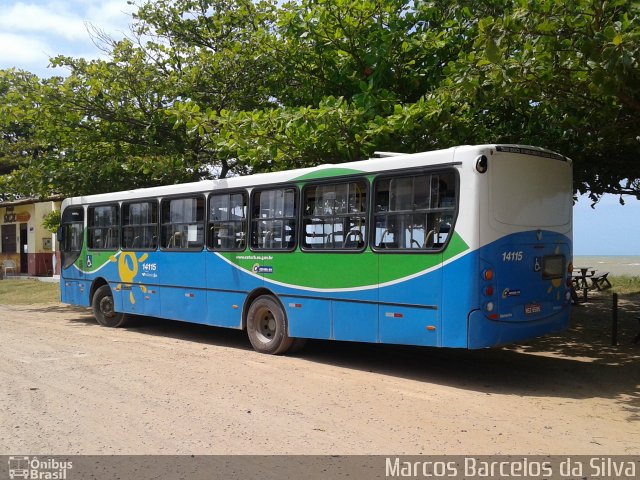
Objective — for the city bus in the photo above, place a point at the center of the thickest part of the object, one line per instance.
(466, 247)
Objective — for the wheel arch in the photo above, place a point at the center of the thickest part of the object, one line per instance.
(258, 292)
(95, 285)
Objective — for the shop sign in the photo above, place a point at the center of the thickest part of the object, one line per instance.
(12, 217)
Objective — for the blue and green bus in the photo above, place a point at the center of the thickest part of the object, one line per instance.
(466, 247)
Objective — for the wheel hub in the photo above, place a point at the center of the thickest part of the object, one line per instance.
(106, 307)
(268, 325)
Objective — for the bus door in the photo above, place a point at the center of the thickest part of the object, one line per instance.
(71, 237)
(182, 270)
(334, 233)
(412, 221)
(409, 307)
(139, 262)
(226, 236)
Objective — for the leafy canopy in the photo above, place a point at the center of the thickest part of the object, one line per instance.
(207, 88)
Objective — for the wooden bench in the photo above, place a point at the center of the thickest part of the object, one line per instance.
(600, 281)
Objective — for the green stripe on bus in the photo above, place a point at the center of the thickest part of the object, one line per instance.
(342, 270)
(326, 173)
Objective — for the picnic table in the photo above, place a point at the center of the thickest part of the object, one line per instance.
(600, 281)
(588, 279)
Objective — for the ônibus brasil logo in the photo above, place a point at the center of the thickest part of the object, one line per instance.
(40, 469)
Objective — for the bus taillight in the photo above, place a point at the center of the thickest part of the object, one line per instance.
(490, 305)
(569, 277)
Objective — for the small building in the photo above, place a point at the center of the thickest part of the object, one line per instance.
(23, 238)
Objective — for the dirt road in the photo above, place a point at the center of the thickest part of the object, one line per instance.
(69, 386)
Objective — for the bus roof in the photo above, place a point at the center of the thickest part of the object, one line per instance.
(388, 162)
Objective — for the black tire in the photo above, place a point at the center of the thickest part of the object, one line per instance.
(102, 304)
(267, 326)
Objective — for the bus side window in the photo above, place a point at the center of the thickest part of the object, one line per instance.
(414, 212)
(182, 226)
(103, 227)
(140, 225)
(273, 219)
(227, 228)
(335, 216)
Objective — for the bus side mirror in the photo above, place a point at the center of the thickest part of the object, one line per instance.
(60, 234)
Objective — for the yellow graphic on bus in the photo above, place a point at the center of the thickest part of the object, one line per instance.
(128, 269)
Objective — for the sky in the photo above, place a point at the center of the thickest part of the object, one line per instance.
(33, 31)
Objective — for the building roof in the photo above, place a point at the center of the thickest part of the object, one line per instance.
(28, 200)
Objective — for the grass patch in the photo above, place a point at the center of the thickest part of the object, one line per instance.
(625, 284)
(25, 292)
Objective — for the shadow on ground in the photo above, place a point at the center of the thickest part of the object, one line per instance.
(578, 363)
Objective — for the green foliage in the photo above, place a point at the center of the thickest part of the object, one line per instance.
(208, 88)
(571, 74)
(21, 116)
(51, 221)
(626, 284)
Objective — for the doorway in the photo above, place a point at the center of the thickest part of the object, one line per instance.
(24, 256)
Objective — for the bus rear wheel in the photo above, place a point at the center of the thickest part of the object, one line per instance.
(103, 308)
(267, 326)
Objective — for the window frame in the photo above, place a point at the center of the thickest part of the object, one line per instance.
(3, 246)
(247, 198)
(89, 228)
(202, 223)
(127, 203)
(366, 214)
(69, 257)
(295, 217)
(404, 173)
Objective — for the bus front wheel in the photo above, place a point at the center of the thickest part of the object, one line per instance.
(103, 308)
(267, 326)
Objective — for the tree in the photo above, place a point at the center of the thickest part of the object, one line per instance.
(567, 77)
(18, 106)
(212, 54)
(348, 75)
(208, 87)
(393, 75)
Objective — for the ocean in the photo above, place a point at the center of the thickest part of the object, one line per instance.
(615, 265)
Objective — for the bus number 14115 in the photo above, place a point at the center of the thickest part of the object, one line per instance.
(512, 256)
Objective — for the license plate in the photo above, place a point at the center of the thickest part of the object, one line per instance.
(532, 308)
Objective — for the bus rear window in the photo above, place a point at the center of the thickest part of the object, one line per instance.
(553, 267)
(530, 191)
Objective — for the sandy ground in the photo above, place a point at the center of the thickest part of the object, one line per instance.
(69, 386)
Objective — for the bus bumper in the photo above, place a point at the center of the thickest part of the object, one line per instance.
(484, 332)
